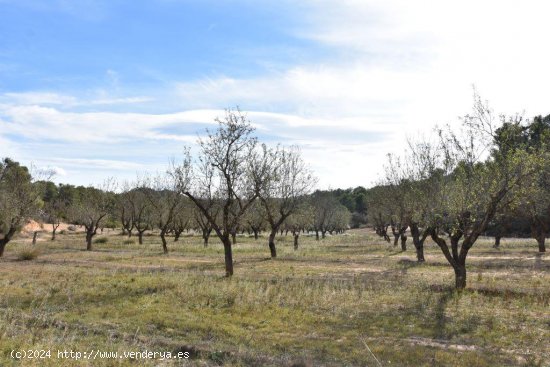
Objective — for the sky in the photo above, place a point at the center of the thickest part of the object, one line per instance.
(111, 88)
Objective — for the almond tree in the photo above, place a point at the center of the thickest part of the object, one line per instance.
(290, 180)
(19, 199)
(397, 200)
(231, 172)
(165, 197)
(299, 221)
(255, 218)
(378, 214)
(142, 210)
(90, 208)
(324, 206)
(124, 205)
(477, 188)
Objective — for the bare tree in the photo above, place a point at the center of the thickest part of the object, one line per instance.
(397, 200)
(142, 209)
(182, 219)
(300, 221)
(289, 181)
(165, 196)
(255, 218)
(231, 172)
(124, 206)
(424, 175)
(324, 206)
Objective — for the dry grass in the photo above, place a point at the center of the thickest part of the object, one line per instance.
(27, 253)
(317, 306)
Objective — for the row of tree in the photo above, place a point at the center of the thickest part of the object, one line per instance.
(490, 176)
(233, 185)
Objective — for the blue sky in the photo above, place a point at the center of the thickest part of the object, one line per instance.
(112, 88)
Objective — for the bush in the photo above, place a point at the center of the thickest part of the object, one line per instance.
(71, 228)
(27, 254)
(101, 240)
(129, 242)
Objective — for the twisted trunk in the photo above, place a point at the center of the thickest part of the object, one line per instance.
(54, 230)
(206, 236)
(418, 241)
(403, 243)
(163, 238)
(296, 236)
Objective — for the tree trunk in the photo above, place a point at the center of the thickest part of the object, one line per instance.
(296, 235)
(403, 243)
(395, 239)
(420, 253)
(460, 276)
(255, 234)
(539, 234)
(323, 234)
(89, 236)
(228, 257)
(140, 237)
(34, 237)
(3, 243)
(317, 235)
(163, 238)
(177, 235)
(497, 242)
(418, 243)
(54, 230)
(541, 239)
(129, 233)
(272, 247)
(205, 236)
(234, 237)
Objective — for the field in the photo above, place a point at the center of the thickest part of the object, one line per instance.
(349, 300)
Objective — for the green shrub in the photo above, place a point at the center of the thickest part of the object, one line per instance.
(101, 240)
(129, 242)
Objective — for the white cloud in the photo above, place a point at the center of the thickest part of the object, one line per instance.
(37, 122)
(52, 98)
(40, 98)
(396, 67)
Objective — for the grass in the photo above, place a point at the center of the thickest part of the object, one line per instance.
(27, 253)
(322, 305)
